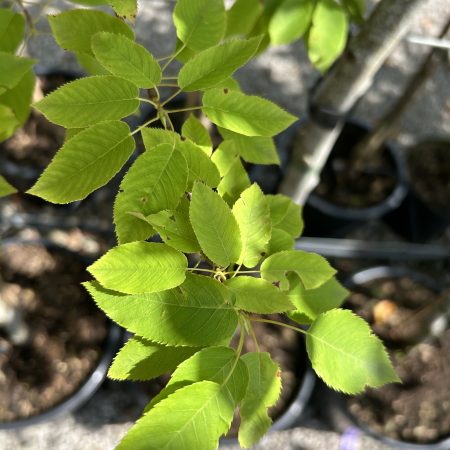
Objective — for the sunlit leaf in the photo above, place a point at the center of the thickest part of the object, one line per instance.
(346, 355)
(312, 269)
(245, 114)
(218, 234)
(140, 267)
(86, 162)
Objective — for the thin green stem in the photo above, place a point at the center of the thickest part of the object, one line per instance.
(163, 58)
(174, 141)
(275, 322)
(238, 351)
(173, 57)
(158, 97)
(252, 332)
(169, 78)
(193, 108)
(201, 270)
(168, 85)
(170, 98)
(144, 125)
(236, 271)
(146, 100)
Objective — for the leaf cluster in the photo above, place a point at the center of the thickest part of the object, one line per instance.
(196, 203)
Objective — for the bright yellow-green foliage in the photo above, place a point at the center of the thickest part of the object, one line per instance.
(227, 254)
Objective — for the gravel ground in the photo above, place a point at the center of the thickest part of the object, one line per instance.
(284, 75)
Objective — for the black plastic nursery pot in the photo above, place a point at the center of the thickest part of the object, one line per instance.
(336, 207)
(64, 354)
(414, 415)
(298, 383)
(425, 212)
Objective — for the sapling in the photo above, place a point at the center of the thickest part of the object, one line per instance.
(201, 204)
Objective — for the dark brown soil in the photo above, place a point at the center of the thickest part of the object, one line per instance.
(429, 167)
(340, 184)
(66, 331)
(35, 144)
(418, 410)
(399, 309)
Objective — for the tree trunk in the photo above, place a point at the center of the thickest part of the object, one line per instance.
(341, 89)
(388, 126)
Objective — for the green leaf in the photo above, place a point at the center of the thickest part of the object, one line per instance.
(356, 10)
(194, 417)
(124, 58)
(8, 122)
(200, 166)
(230, 84)
(184, 54)
(263, 391)
(86, 162)
(12, 28)
(73, 30)
(140, 360)
(90, 64)
(327, 36)
(216, 64)
(286, 215)
(252, 214)
(312, 269)
(290, 21)
(175, 228)
(234, 177)
(140, 267)
(346, 355)
(200, 23)
(87, 101)
(194, 130)
(71, 132)
(5, 187)
(18, 98)
(125, 8)
(258, 296)
(242, 17)
(156, 136)
(156, 181)
(245, 114)
(196, 314)
(312, 302)
(217, 364)
(279, 241)
(12, 69)
(215, 226)
(254, 149)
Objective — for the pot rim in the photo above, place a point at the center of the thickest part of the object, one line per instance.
(382, 271)
(392, 201)
(93, 382)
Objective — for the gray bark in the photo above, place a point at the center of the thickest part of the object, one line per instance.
(340, 90)
(388, 126)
